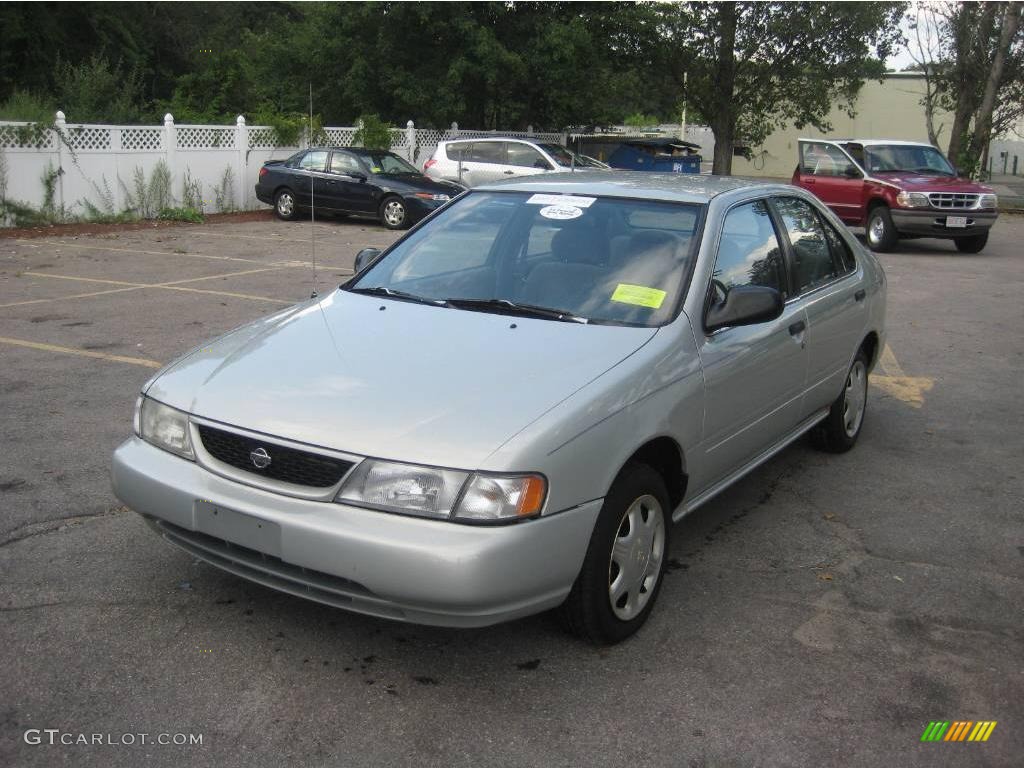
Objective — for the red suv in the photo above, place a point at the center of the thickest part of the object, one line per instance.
(896, 189)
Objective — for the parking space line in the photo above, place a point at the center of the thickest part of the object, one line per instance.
(222, 293)
(169, 254)
(81, 352)
(277, 239)
(72, 296)
(83, 279)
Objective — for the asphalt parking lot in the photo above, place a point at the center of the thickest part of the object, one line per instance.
(819, 613)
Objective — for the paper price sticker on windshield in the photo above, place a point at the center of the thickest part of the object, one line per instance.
(561, 212)
(573, 200)
(639, 295)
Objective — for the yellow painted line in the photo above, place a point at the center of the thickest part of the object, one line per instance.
(72, 296)
(223, 293)
(81, 352)
(226, 274)
(168, 254)
(888, 363)
(895, 383)
(83, 279)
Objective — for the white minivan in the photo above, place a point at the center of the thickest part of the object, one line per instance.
(472, 162)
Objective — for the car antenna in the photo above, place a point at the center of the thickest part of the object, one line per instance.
(312, 207)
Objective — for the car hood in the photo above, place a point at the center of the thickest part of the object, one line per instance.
(400, 182)
(921, 182)
(393, 379)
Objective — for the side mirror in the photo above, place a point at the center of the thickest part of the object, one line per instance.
(365, 258)
(358, 175)
(961, 173)
(745, 305)
(851, 172)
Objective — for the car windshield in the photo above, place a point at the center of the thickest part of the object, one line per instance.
(566, 157)
(906, 157)
(385, 162)
(560, 257)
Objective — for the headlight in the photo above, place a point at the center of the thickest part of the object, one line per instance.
(406, 488)
(443, 494)
(988, 201)
(912, 200)
(164, 427)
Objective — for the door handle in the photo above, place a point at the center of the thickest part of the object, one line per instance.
(797, 328)
(859, 295)
(509, 173)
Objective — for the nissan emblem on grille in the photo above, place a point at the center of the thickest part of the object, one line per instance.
(260, 458)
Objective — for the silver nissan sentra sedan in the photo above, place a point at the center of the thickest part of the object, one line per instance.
(506, 410)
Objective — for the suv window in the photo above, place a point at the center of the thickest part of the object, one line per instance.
(748, 251)
(812, 257)
(822, 159)
(486, 152)
(455, 149)
(525, 156)
(314, 161)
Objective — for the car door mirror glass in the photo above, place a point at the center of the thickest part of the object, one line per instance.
(745, 305)
(366, 257)
(851, 172)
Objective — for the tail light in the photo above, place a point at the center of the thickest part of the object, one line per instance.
(263, 171)
(429, 164)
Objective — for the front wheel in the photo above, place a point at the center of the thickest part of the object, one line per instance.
(622, 571)
(972, 244)
(393, 213)
(880, 231)
(284, 205)
(839, 431)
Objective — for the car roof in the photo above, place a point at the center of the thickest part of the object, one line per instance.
(675, 187)
(874, 142)
(354, 150)
(523, 139)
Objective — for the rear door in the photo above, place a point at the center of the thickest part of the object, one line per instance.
(483, 163)
(829, 289)
(754, 375)
(830, 173)
(311, 180)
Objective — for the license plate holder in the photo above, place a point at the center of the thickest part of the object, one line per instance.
(238, 528)
(956, 222)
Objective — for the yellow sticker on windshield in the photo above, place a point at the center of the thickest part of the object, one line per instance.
(639, 295)
(376, 169)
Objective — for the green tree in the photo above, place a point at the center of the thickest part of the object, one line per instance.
(753, 67)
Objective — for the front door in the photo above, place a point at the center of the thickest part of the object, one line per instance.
(833, 176)
(353, 188)
(754, 375)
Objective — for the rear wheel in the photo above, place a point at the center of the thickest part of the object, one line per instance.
(393, 213)
(625, 562)
(839, 431)
(972, 244)
(880, 231)
(284, 205)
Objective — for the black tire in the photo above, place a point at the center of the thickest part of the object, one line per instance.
(393, 213)
(835, 433)
(638, 494)
(285, 206)
(879, 231)
(973, 244)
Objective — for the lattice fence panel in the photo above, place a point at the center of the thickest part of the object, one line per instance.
(340, 137)
(204, 137)
(262, 138)
(142, 139)
(25, 136)
(399, 138)
(87, 137)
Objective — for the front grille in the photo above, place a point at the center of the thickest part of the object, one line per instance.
(286, 464)
(952, 200)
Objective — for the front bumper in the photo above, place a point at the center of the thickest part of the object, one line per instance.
(392, 566)
(932, 222)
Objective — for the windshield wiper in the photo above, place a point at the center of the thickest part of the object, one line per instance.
(391, 293)
(512, 308)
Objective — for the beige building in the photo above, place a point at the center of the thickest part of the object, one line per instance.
(890, 109)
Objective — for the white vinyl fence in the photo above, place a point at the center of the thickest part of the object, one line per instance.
(98, 163)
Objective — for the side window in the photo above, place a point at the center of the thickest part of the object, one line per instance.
(841, 252)
(812, 257)
(748, 251)
(525, 156)
(344, 163)
(821, 159)
(457, 150)
(314, 161)
(487, 152)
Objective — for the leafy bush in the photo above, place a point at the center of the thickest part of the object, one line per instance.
(28, 106)
(96, 91)
(191, 192)
(181, 214)
(224, 193)
(640, 120)
(373, 133)
(147, 198)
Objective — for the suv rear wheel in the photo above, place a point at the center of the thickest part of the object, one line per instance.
(880, 231)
